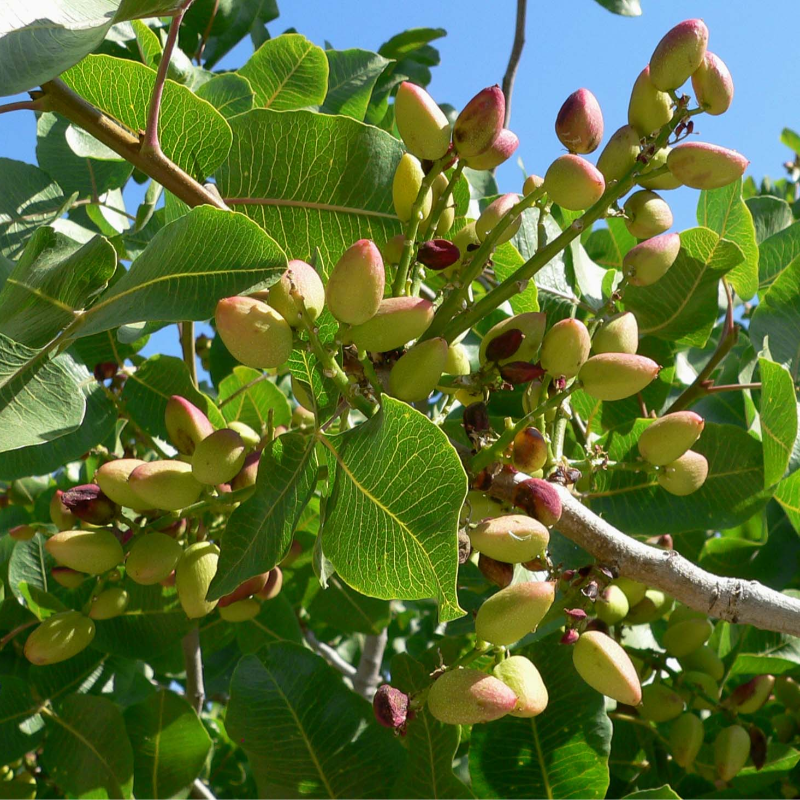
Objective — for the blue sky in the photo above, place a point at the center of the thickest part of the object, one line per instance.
(570, 44)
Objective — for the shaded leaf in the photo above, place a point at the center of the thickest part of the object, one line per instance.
(229, 93)
(353, 74)
(778, 419)
(347, 610)
(778, 253)
(20, 722)
(770, 215)
(248, 395)
(276, 622)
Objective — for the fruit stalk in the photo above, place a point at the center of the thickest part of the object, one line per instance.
(441, 203)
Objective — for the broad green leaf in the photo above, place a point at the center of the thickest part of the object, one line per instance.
(506, 260)
(778, 253)
(54, 278)
(770, 215)
(229, 93)
(30, 198)
(150, 386)
(416, 42)
(178, 276)
(724, 211)
(778, 419)
(304, 732)
(780, 766)
(625, 8)
(790, 139)
(248, 395)
(401, 478)
(352, 78)
(787, 493)
(40, 603)
(304, 203)
(104, 347)
(287, 72)
(88, 753)
(608, 246)
(561, 753)
(259, 531)
(191, 131)
(347, 610)
(635, 503)
(321, 390)
(276, 622)
(777, 319)
(86, 672)
(665, 792)
(39, 398)
(683, 306)
(766, 652)
(20, 722)
(431, 745)
(169, 744)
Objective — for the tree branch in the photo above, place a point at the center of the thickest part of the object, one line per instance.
(513, 59)
(329, 654)
(368, 674)
(193, 661)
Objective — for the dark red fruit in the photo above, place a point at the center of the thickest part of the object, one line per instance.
(438, 254)
(88, 503)
(390, 706)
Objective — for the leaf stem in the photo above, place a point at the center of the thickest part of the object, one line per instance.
(515, 56)
(441, 203)
(188, 349)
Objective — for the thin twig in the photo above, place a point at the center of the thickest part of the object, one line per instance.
(514, 58)
(206, 33)
(730, 387)
(21, 105)
(329, 654)
(368, 674)
(188, 348)
(193, 662)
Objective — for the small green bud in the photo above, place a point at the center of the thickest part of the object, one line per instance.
(109, 603)
(512, 539)
(241, 610)
(749, 697)
(661, 182)
(93, 551)
(152, 558)
(531, 324)
(112, 478)
(68, 578)
(193, 576)
(660, 703)
(579, 124)
(618, 335)
(649, 109)
(705, 166)
(415, 375)
(574, 183)
(59, 637)
(165, 485)
(654, 605)
(686, 637)
(514, 612)
(530, 450)
(731, 749)
(255, 334)
(423, 126)
(611, 605)
(466, 696)
(522, 677)
(480, 122)
(499, 151)
(219, 457)
(492, 215)
(60, 515)
(685, 475)
(186, 426)
(787, 690)
(699, 689)
(607, 668)
(619, 154)
(249, 436)
(392, 250)
(713, 85)
(532, 183)
(457, 361)
(650, 260)
(615, 376)
(355, 286)
(406, 185)
(679, 53)
(398, 320)
(668, 438)
(647, 214)
(565, 348)
(300, 279)
(686, 738)
(784, 726)
(704, 659)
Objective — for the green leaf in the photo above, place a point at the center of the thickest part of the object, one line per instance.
(192, 133)
(30, 198)
(400, 476)
(321, 389)
(150, 386)
(178, 276)
(347, 610)
(787, 494)
(506, 260)
(276, 622)
(683, 306)
(353, 74)
(778, 253)
(85, 672)
(770, 215)
(230, 94)
(304, 732)
(303, 203)
(625, 8)
(88, 753)
(287, 72)
(608, 246)
(781, 761)
(170, 744)
(724, 211)
(248, 395)
(790, 139)
(665, 792)
(778, 419)
(41, 604)
(259, 531)
(20, 722)
(561, 753)
(766, 652)
(54, 278)
(412, 42)
(635, 503)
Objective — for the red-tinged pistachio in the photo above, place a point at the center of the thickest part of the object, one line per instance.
(397, 321)
(647, 214)
(713, 85)
(457, 361)
(438, 254)
(152, 558)
(392, 250)
(406, 184)
(530, 450)
(565, 348)
(89, 504)
(666, 181)
(248, 473)
(255, 334)
(109, 603)
(615, 376)
(579, 124)
(355, 286)
(731, 750)
(480, 122)
(390, 707)
(22, 533)
(176, 529)
(165, 485)
(105, 370)
(246, 589)
(649, 108)
(650, 260)
(303, 281)
(660, 703)
(294, 552)
(519, 372)
(512, 538)
(685, 475)
(60, 515)
(219, 457)
(514, 612)
(193, 575)
(241, 610)
(522, 677)
(611, 605)
(679, 53)
(186, 425)
(466, 696)
(607, 668)
(423, 126)
(747, 698)
(59, 637)
(169, 580)
(500, 150)
(272, 588)
(493, 213)
(570, 637)
(415, 375)
(687, 636)
(686, 738)
(502, 347)
(531, 324)
(705, 166)
(497, 572)
(68, 578)
(574, 615)
(573, 183)
(619, 154)
(618, 335)
(113, 476)
(668, 438)
(93, 551)
(539, 499)
(532, 183)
